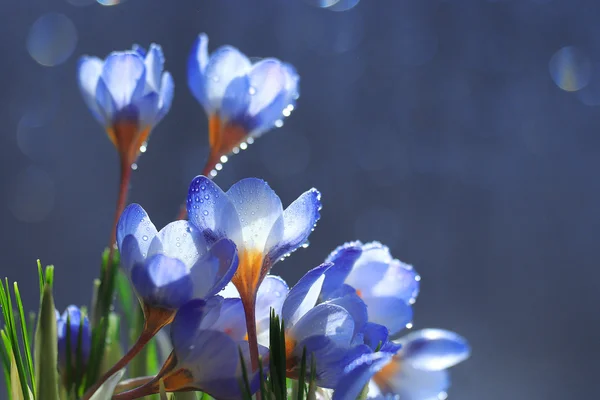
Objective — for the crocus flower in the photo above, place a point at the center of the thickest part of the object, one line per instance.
(388, 286)
(242, 100)
(74, 338)
(416, 372)
(174, 265)
(207, 337)
(251, 215)
(128, 93)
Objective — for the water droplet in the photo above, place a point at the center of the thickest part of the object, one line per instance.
(188, 229)
(178, 244)
(215, 78)
(145, 238)
(286, 112)
(224, 159)
(143, 147)
(252, 90)
(243, 146)
(409, 325)
(205, 212)
(203, 187)
(134, 166)
(250, 140)
(219, 167)
(197, 198)
(279, 123)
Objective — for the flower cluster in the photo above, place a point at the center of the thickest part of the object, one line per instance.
(233, 325)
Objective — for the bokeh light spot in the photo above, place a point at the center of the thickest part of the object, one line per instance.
(344, 5)
(570, 68)
(52, 39)
(32, 197)
(110, 2)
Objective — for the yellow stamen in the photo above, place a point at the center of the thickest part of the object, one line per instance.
(248, 275)
(291, 361)
(223, 138)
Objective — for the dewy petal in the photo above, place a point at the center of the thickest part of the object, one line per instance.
(414, 384)
(88, 74)
(236, 100)
(162, 281)
(196, 69)
(181, 240)
(125, 77)
(270, 297)
(165, 98)
(267, 80)
(374, 335)
(231, 319)
(147, 109)
(154, 63)
(434, 349)
(106, 104)
(391, 312)
(358, 373)
(211, 211)
(328, 320)
(355, 307)
(135, 221)
(195, 315)
(259, 208)
(213, 272)
(304, 295)
(299, 220)
(343, 259)
(224, 65)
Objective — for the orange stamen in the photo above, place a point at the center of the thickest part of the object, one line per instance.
(223, 138)
(128, 137)
(248, 275)
(291, 361)
(384, 375)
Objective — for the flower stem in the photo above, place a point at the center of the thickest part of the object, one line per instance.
(156, 319)
(133, 383)
(211, 163)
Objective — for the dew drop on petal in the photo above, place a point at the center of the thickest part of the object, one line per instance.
(279, 123)
(134, 166)
(570, 69)
(205, 212)
(252, 90)
(52, 39)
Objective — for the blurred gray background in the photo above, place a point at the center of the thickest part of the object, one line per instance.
(461, 133)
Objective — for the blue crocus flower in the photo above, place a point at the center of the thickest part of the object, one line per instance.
(128, 93)
(174, 265)
(416, 372)
(74, 338)
(207, 337)
(242, 100)
(388, 286)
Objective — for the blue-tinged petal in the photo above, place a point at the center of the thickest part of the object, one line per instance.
(224, 65)
(231, 319)
(162, 281)
(135, 221)
(358, 374)
(154, 63)
(147, 109)
(230, 292)
(259, 208)
(271, 295)
(181, 240)
(374, 335)
(195, 315)
(328, 320)
(413, 384)
(139, 49)
(106, 104)
(196, 69)
(304, 295)
(391, 312)
(343, 259)
(88, 74)
(434, 349)
(267, 80)
(355, 306)
(77, 321)
(211, 211)
(236, 100)
(215, 270)
(131, 253)
(346, 254)
(125, 77)
(165, 98)
(299, 220)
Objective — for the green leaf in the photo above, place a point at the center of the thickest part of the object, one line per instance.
(312, 385)
(46, 372)
(302, 377)
(127, 299)
(184, 396)
(107, 389)
(41, 277)
(245, 384)
(112, 350)
(16, 391)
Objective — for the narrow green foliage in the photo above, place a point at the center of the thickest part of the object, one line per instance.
(6, 360)
(185, 395)
(125, 295)
(312, 384)
(46, 373)
(245, 384)
(96, 352)
(277, 360)
(378, 346)
(41, 277)
(11, 340)
(266, 395)
(302, 377)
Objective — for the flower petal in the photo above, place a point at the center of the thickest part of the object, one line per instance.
(374, 335)
(328, 320)
(259, 208)
(358, 373)
(390, 312)
(225, 64)
(299, 220)
(270, 297)
(355, 307)
(343, 259)
(413, 384)
(125, 77)
(213, 272)
(196, 69)
(232, 320)
(267, 80)
(236, 100)
(88, 74)
(162, 281)
(135, 221)
(434, 349)
(211, 211)
(165, 97)
(304, 295)
(195, 315)
(181, 240)
(147, 110)
(154, 63)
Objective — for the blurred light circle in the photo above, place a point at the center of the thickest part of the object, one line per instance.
(110, 2)
(344, 5)
(32, 197)
(378, 223)
(81, 3)
(52, 39)
(288, 156)
(321, 3)
(570, 68)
